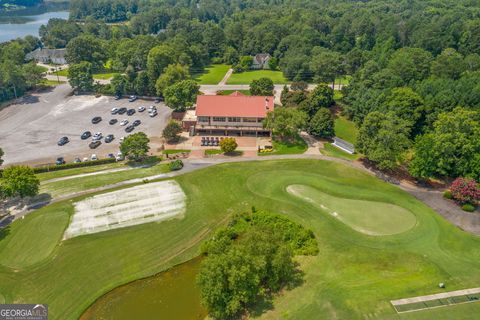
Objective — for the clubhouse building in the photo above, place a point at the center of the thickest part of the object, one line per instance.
(232, 115)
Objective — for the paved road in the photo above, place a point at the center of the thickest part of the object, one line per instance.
(225, 78)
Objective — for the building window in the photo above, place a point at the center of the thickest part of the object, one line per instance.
(203, 119)
(234, 119)
(219, 119)
(249, 119)
(260, 119)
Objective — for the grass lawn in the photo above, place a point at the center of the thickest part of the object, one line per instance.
(62, 73)
(333, 151)
(296, 146)
(173, 151)
(345, 129)
(69, 186)
(212, 74)
(248, 76)
(104, 75)
(228, 92)
(51, 83)
(353, 277)
(343, 80)
(74, 171)
(211, 152)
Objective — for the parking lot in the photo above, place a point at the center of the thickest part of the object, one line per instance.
(29, 132)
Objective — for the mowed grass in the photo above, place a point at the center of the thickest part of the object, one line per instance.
(80, 170)
(248, 76)
(63, 187)
(212, 74)
(295, 146)
(353, 277)
(346, 129)
(332, 151)
(104, 75)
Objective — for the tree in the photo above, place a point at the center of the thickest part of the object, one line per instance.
(1, 155)
(299, 86)
(228, 145)
(80, 76)
(451, 149)
(19, 181)
(286, 122)
(181, 95)
(262, 87)
(325, 64)
(230, 56)
(273, 63)
(173, 73)
(172, 130)
(449, 64)
(320, 97)
(119, 84)
(408, 105)
(322, 124)
(135, 146)
(465, 190)
(86, 48)
(410, 64)
(383, 139)
(158, 59)
(244, 64)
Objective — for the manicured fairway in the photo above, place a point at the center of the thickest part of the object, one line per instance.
(248, 76)
(353, 277)
(212, 74)
(369, 217)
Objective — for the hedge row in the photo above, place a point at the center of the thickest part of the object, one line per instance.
(73, 165)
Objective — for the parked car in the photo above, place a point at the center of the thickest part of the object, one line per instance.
(122, 110)
(130, 128)
(95, 144)
(141, 109)
(86, 135)
(93, 157)
(152, 108)
(114, 111)
(77, 160)
(130, 112)
(113, 121)
(120, 156)
(124, 122)
(62, 141)
(109, 138)
(59, 161)
(97, 136)
(110, 156)
(96, 120)
(118, 97)
(136, 123)
(153, 114)
(132, 98)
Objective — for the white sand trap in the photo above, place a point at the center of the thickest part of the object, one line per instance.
(128, 207)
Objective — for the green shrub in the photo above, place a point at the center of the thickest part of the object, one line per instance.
(73, 165)
(447, 194)
(175, 165)
(468, 207)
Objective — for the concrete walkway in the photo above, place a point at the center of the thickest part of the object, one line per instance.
(225, 78)
(431, 297)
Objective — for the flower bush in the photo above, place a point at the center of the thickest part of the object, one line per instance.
(465, 191)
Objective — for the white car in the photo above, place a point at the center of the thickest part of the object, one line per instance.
(141, 109)
(85, 159)
(97, 136)
(153, 114)
(124, 122)
(119, 156)
(114, 111)
(93, 157)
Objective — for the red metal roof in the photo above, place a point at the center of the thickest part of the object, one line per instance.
(234, 105)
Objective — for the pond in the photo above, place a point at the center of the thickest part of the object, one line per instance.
(168, 295)
(21, 26)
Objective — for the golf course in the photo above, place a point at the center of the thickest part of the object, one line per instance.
(376, 243)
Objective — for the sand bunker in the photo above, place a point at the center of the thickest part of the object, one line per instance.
(141, 204)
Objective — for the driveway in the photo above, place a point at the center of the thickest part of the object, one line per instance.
(29, 131)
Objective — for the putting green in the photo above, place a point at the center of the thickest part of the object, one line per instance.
(369, 217)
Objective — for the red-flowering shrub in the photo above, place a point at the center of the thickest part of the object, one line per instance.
(465, 190)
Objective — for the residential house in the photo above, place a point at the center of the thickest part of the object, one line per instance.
(260, 61)
(232, 115)
(56, 56)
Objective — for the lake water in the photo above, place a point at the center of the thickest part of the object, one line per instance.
(11, 31)
(168, 295)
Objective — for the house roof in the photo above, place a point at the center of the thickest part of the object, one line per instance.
(260, 58)
(234, 105)
(46, 53)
